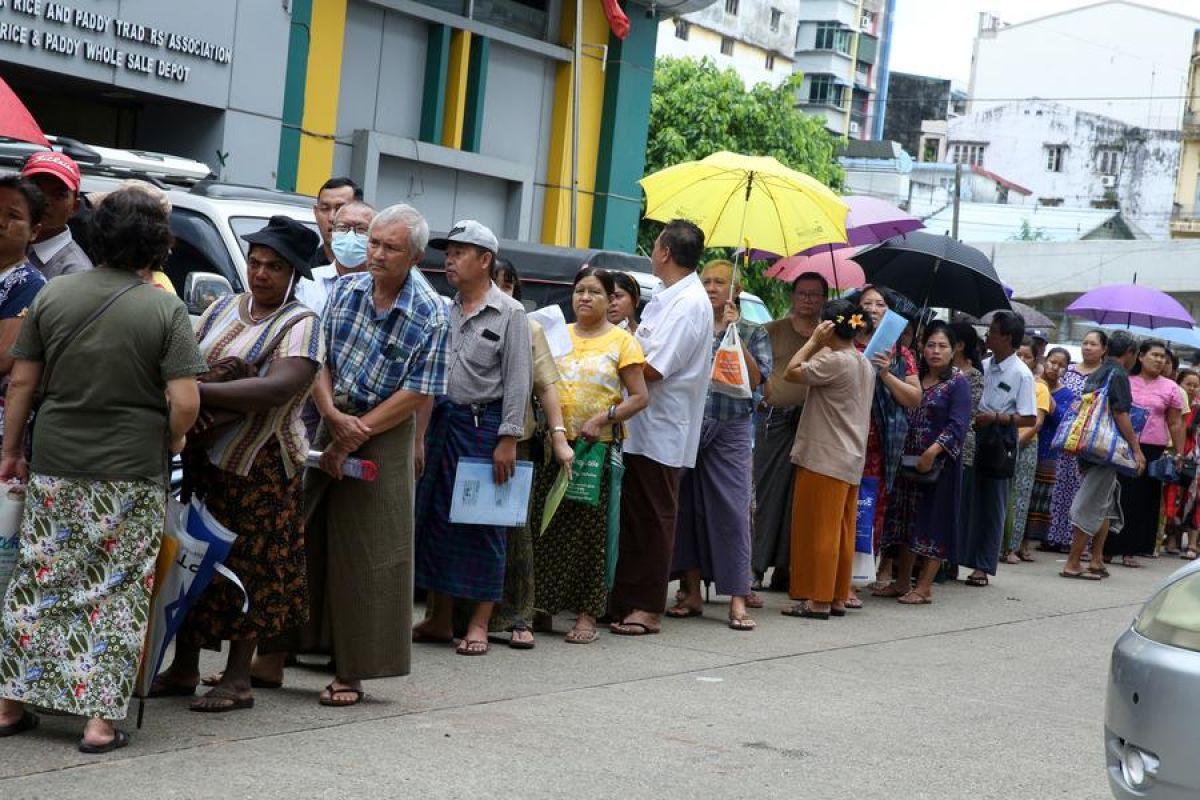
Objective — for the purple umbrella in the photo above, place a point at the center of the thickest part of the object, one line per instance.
(1129, 304)
(870, 221)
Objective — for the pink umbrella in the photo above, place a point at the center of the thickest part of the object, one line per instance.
(15, 120)
(834, 266)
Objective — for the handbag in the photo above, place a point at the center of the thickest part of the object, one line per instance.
(730, 375)
(1163, 469)
(1089, 432)
(909, 471)
(996, 451)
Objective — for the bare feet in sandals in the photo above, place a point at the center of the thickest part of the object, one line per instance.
(340, 693)
(584, 631)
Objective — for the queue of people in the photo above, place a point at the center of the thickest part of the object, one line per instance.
(342, 346)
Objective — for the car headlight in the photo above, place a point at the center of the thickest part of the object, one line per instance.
(1172, 617)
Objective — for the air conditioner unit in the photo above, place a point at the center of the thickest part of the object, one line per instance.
(853, 128)
(864, 24)
(1108, 181)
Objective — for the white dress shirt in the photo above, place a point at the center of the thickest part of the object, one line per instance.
(676, 335)
(315, 293)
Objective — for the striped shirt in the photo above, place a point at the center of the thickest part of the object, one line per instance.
(371, 356)
(227, 330)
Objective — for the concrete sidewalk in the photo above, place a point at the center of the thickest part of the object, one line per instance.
(989, 693)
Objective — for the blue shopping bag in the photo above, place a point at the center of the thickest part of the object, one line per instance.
(864, 534)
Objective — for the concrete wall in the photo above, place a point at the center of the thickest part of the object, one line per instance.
(749, 57)
(1017, 134)
(1116, 50)
(918, 98)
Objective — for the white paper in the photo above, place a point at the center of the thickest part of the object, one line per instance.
(554, 324)
(477, 500)
(887, 333)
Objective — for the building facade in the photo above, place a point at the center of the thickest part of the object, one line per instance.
(460, 108)
(842, 49)
(753, 37)
(1120, 59)
(1071, 158)
(1185, 217)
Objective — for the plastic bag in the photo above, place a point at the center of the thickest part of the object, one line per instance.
(864, 567)
(12, 505)
(587, 472)
(730, 376)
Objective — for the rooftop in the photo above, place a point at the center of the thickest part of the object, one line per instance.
(994, 222)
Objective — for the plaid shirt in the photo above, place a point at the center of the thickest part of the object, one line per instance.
(755, 339)
(372, 356)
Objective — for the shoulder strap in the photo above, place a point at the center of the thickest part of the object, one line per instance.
(70, 340)
(265, 353)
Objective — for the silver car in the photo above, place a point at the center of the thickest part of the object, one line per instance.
(1153, 700)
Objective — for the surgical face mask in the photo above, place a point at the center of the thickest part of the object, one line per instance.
(349, 248)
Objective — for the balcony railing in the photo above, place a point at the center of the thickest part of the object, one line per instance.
(1186, 219)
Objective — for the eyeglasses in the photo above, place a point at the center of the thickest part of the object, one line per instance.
(341, 227)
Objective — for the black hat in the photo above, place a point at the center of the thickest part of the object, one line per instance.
(293, 240)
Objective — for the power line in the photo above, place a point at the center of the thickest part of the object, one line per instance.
(1114, 98)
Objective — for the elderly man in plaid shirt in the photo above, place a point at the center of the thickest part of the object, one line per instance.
(386, 331)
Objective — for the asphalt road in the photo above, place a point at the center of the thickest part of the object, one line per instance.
(987, 693)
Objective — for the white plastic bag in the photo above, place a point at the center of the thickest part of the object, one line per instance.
(730, 376)
(12, 505)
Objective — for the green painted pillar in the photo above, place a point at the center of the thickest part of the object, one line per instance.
(295, 78)
(433, 97)
(623, 131)
(476, 89)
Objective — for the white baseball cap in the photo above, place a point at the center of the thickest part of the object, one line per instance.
(468, 231)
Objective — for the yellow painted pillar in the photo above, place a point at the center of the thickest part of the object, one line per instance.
(457, 69)
(322, 84)
(556, 216)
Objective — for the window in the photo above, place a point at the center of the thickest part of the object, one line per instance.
(726, 46)
(1108, 161)
(682, 26)
(970, 154)
(1050, 202)
(825, 90)
(832, 36)
(1055, 155)
(776, 18)
(731, 7)
(770, 62)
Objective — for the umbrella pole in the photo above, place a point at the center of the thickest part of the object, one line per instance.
(742, 236)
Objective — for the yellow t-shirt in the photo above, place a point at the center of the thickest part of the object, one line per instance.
(589, 376)
(1041, 394)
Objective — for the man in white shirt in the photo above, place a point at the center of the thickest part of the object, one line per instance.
(1008, 402)
(54, 252)
(348, 243)
(676, 335)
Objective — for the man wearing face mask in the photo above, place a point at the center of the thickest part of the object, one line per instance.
(349, 245)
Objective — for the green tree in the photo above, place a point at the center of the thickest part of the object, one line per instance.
(1028, 233)
(697, 109)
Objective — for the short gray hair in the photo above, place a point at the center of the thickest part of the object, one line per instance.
(353, 204)
(410, 218)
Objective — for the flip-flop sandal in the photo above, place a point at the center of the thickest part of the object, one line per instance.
(802, 610)
(921, 600)
(26, 722)
(1101, 571)
(473, 647)
(585, 636)
(888, 591)
(982, 580)
(120, 739)
(633, 629)
(742, 624)
(854, 603)
(1130, 564)
(220, 693)
(754, 600)
(517, 644)
(1079, 576)
(329, 701)
(683, 612)
(1189, 555)
(1028, 559)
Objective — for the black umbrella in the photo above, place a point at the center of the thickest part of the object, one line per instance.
(934, 270)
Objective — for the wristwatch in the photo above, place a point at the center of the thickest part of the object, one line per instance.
(612, 413)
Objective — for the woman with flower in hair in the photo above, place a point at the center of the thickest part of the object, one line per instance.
(830, 448)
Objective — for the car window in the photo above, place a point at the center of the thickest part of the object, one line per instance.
(754, 311)
(244, 225)
(198, 248)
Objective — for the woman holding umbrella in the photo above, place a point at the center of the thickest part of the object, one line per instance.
(1141, 496)
(75, 614)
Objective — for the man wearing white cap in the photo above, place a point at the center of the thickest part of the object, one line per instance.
(489, 381)
(54, 252)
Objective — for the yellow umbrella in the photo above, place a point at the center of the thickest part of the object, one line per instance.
(737, 199)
